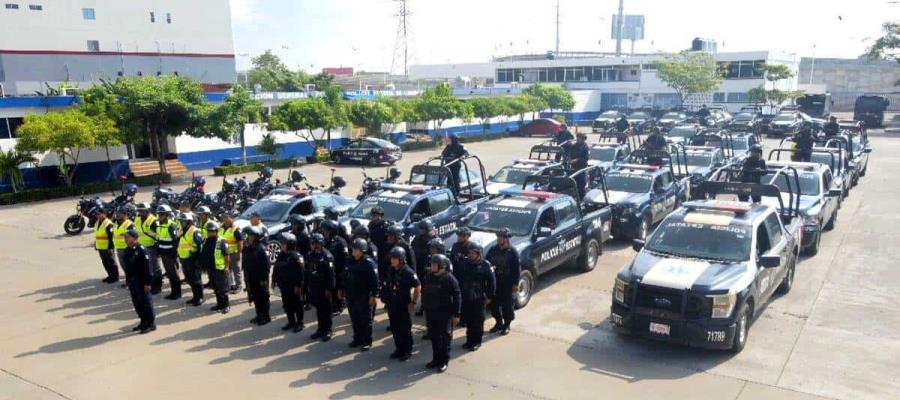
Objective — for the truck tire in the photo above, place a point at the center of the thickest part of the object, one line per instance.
(273, 249)
(526, 288)
(340, 159)
(814, 249)
(643, 229)
(830, 225)
(589, 256)
(788, 282)
(742, 328)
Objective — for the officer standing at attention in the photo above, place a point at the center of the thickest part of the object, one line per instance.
(256, 220)
(235, 240)
(139, 276)
(476, 280)
(145, 224)
(805, 140)
(420, 245)
(752, 170)
(320, 282)
(298, 228)
(441, 299)
(166, 233)
(201, 218)
(212, 258)
(188, 247)
(507, 271)
(256, 268)
(360, 290)
(378, 232)
(337, 247)
(288, 276)
(395, 239)
(122, 224)
(103, 242)
(622, 124)
(400, 304)
(459, 252)
(453, 151)
(831, 127)
(362, 232)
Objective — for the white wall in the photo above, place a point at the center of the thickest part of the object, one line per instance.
(252, 136)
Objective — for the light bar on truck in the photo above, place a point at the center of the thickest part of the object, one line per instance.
(732, 206)
(417, 189)
(535, 194)
(639, 167)
(532, 161)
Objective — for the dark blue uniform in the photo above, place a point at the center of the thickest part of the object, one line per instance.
(378, 237)
(255, 262)
(831, 129)
(752, 170)
(622, 124)
(320, 281)
(139, 274)
(421, 254)
(288, 275)
(459, 253)
(476, 280)
(396, 294)
(442, 301)
(361, 285)
(337, 246)
(507, 271)
(805, 141)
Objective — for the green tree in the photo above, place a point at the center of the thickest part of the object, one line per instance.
(773, 96)
(232, 117)
(269, 145)
(439, 105)
(485, 108)
(65, 134)
(157, 107)
(555, 97)
(322, 80)
(99, 102)
(371, 115)
(689, 73)
(9, 167)
(305, 117)
(887, 47)
(270, 74)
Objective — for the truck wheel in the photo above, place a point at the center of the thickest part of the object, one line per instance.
(830, 225)
(273, 249)
(643, 229)
(526, 287)
(863, 172)
(788, 282)
(588, 258)
(340, 159)
(815, 247)
(741, 330)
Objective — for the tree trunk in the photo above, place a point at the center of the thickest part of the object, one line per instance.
(243, 145)
(159, 154)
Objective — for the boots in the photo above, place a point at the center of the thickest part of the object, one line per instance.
(292, 322)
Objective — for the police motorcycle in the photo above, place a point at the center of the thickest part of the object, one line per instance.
(194, 194)
(371, 185)
(263, 185)
(87, 209)
(298, 181)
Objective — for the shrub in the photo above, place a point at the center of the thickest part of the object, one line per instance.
(244, 168)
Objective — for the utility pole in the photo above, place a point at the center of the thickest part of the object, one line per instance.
(557, 26)
(620, 25)
(402, 42)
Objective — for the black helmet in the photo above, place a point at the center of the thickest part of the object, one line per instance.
(464, 231)
(359, 244)
(354, 223)
(437, 244)
(266, 172)
(756, 148)
(143, 207)
(331, 213)
(394, 172)
(441, 260)
(298, 219)
(297, 177)
(316, 238)
(475, 247)
(329, 225)
(398, 253)
(504, 233)
(128, 209)
(253, 231)
(396, 230)
(130, 189)
(199, 181)
(288, 238)
(361, 230)
(425, 225)
(377, 210)
(338, 182)
(203, 210)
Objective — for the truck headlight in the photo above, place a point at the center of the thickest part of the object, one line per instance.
(723, 305)
(619, 290)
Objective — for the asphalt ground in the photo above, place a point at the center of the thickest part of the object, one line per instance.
(64, 334)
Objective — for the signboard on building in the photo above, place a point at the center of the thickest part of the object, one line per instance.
(632, 29)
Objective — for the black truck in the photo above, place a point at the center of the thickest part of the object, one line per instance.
(870, 110)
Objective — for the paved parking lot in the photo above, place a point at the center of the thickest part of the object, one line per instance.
(64, 334)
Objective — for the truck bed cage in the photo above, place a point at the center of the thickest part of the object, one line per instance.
(442, 170)
(613, 136)
(662, 158)
(834, 167)
(837, 142)
(569, 184)
(725, 184)
(544, 152)
(722, 139)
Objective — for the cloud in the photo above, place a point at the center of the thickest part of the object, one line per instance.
(246, 12)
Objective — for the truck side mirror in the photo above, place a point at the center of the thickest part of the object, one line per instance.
(543, 232)
(415, 217)
(769, 261)
(637, 244)
(835, 192)
(867, 150)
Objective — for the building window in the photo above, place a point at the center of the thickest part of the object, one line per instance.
(4, 129)
(738, 97)
(93, 45)
(9, 126)
(152, 17)
(88, 14)
(743, 69)
(12, 6)
(35, 7)
(718, 97)
(168, 18)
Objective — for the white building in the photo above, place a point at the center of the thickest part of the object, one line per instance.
(602, 82)
(81, 41)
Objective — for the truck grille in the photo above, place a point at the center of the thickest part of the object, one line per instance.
(672, 302)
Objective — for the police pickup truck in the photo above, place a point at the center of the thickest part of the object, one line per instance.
(641, 195)
(829, 157)
(542, 160)
(708, 270)
(701, 162)
(549, 230)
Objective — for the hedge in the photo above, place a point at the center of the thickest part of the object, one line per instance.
(244, 168)
(33, 195)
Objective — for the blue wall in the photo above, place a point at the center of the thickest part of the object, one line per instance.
(575, 118)
(44, 177)
(213, 158)
(469, 130)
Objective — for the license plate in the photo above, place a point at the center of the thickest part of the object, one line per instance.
(659, 329)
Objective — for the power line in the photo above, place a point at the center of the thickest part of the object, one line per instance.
(401, 44)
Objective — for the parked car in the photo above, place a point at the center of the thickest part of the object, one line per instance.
(608, 155)
(640, 121)
(367, 151)
(744, 122)
(670, 119)
(785, 124)
(606, 120)
(540, 127)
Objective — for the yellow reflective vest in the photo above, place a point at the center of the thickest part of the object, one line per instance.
(230, 239)
(119, 234)
(220, 258)
(101, 239)
(186, 245)
(147, 236)
(164, 239)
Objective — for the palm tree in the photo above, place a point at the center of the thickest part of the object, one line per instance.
(9, 166)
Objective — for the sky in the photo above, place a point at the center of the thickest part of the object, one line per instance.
(312, 34)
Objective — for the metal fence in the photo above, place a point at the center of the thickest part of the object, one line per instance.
(844, 101)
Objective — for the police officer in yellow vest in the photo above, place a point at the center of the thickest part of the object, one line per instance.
(167, 232)
(202, 217)
(235, 240)
(145, 225)
(122, 224)
(212, 258)
(103, 242)
(188, 248)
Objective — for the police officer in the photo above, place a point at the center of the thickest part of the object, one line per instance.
(256, 267)
(804, 140)
(459, 252)
(478, 285)
(703, 115)
(655, 141)
(400, 304)
(564, 135)
(103, 242)
(579, 153)
(121, 225)
(360, 290)
(139, 276)
(212, 258)
(184, 207)
(441, 298)
(378, 232)
(831, 127)
(332, 214)
(256, 220)
(145, 224)
(320, 282)
(507, 271)
(235, 240)
(167, 232)
(288, 275)
(203, 215)
(299, 229)
(395, 239)
(337, 247)
(752, 170)
(622, 124)
(362, 232)
(420, 245)
(188, 247)
(453, 151)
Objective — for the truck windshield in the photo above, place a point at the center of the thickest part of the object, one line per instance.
(809, 183)
(743, 117)
(672, 116)
(271, 209)
(494, 217)
(785, 118)
(394, 208)
(739, 144)
(826, 160)
(603, 154)
(699, 159)
(703, 241)
(511, 175)
(682, 132)
(628, 183)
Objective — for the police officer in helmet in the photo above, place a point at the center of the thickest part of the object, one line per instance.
(188, 249)
(805, 141)
(442, 302)
(288, 275)
(212, 258)
(337, 246)
(167, 232)
(255, 262)
(378, 232)
(752, 170)
(145, 224)
(360, 290)
(507, 271)
(103, 242)
(459, 252)
(478, 285)
(400, 304)
(320, 281)
(453, 151)
(299, 229)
